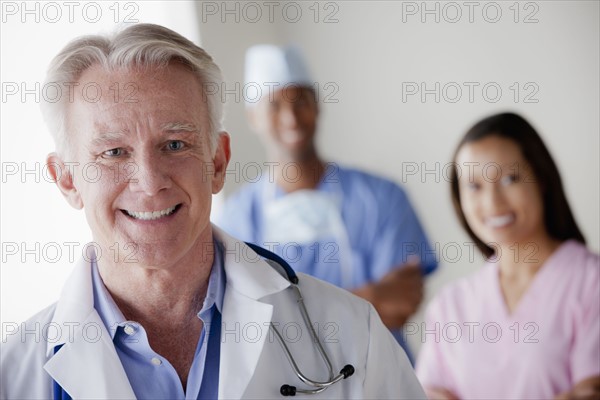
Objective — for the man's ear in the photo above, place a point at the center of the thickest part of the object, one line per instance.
(63, 177)
(220, 162)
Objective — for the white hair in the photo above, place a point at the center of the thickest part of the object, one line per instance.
(146, 45)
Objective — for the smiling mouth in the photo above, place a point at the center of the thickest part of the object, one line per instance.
(151, 215)
(500, 221)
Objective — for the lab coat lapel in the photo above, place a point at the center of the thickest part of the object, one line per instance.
(89, 367)
(244, 330)
(245, 321)
(87, 364)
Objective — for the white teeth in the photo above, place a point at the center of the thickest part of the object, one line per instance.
(150, 215)
(500, 221)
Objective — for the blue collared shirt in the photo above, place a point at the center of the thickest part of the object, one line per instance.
(151, 375)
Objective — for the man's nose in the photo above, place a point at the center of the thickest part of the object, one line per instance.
(289, 116)
(149, 175)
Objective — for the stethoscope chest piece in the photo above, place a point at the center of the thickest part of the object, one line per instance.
(288, 390)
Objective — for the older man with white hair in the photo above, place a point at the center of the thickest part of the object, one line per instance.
(168, 306)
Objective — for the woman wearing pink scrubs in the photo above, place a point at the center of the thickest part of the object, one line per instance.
(527, 325)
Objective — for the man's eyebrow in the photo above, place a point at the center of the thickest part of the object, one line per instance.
(106, 137)
(103, 138)
(180, 126)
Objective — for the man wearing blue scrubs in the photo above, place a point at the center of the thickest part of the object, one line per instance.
(350, 228)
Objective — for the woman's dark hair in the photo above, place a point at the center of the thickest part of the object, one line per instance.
(558, 218)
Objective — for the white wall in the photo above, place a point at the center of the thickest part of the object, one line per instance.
(376, 47)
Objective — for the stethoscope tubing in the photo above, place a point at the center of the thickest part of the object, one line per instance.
(288, 390)
(315, 338)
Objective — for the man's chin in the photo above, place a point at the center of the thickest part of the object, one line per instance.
(146, 255)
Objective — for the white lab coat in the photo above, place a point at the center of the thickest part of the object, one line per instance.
(253, 364)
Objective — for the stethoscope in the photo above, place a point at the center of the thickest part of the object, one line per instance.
(289, 390)
(285, 390)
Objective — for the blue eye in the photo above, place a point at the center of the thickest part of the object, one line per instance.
(113, 152)
(175, 145)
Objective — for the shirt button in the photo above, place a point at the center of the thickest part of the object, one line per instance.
(129, 329)
(156, 361)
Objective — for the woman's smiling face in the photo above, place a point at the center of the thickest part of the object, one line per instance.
(499, 194)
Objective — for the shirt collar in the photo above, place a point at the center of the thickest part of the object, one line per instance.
(104, 303)
(112, 316)
(216, 282)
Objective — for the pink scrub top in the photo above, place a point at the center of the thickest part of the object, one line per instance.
(475, 348)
